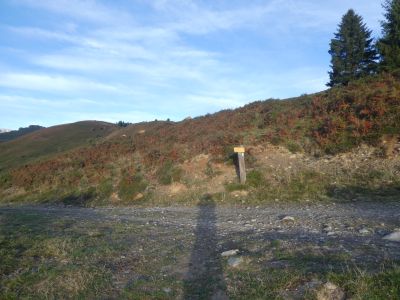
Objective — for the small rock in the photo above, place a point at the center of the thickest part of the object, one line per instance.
(230, 253)
(330, 291)
(138, 196)
(330, 233)
(364, 231)
(288, 219)
(327, 228)
(393, 237)
(235, 261)
(167, 290)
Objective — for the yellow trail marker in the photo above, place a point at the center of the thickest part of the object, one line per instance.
(239, 150)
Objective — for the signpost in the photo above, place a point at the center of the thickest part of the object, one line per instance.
(241, 166)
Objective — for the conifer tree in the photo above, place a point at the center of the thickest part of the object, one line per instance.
(352, 50)
(389, 44)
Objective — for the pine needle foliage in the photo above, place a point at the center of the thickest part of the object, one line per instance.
(352, 50)
(389, 44)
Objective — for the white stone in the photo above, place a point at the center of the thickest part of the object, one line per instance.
(394, 236)
(167, 290)
(288, 219)
(364, 231)
(230, 253)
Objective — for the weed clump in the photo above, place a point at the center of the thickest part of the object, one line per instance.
(105, 188)
(293, 147)
(5, 180)
(130, 186)
(169, 173)
(255, 179)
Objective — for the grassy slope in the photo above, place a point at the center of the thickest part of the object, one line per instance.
(128, 159)
(330, 122)
(49, 141)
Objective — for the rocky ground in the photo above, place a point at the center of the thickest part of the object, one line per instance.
(288, 251)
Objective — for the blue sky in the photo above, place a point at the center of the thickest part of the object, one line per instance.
(138, 60)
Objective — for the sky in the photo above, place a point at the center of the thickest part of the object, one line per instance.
(63, 61)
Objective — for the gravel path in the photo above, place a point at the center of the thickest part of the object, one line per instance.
(203, 232)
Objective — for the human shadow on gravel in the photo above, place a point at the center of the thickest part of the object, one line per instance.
(204, 279)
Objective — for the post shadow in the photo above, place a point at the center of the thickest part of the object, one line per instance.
(235, 160)
(204, 279)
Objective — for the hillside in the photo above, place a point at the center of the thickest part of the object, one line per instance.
(9, 135)
(291, 145)
(46, 142)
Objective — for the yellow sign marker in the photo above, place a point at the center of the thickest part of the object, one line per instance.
(238, 149)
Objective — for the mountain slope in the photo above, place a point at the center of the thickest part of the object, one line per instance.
(135, 162)
(9, 135)
(49, 141)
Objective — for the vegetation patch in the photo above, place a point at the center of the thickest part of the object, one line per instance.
(169, 173)
(304, 185)
(234, 186)
(130, 187)
(293, 147)
(362, 285)
(255, 179)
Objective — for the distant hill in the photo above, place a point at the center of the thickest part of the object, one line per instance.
(45, 142)
(9, 135)
(2, 130)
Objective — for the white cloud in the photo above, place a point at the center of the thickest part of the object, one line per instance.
(84, 10)
(27, 102)
(170, 52)
(44, 83)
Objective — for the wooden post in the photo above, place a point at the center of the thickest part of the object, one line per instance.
(241, 166)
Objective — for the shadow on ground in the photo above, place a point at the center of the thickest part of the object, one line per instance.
(204, 279)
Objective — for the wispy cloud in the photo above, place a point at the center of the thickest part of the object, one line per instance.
(169, 58)
(37, 82)
(84, 10)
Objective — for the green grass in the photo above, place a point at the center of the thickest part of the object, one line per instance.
(234, 186)
(361, 285)
(255, 179)
(293, 147)
(54, 256)
(130, 186)
(43, 258)
(169, 173)
(256, 281)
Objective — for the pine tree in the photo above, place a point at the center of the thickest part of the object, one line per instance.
(389, 44)
(352, 50)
